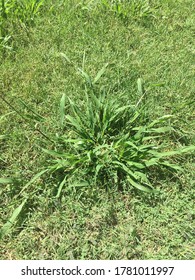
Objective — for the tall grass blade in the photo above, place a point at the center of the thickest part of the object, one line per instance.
(172, 153)
(173, 166)
(162, 129)
(100, 73)
(35, 115)
(86, 76)
(60, 187)
(187, 149)
(38, 175)
(8, 225)
(160, 120)
(53, 153)
(139, 186)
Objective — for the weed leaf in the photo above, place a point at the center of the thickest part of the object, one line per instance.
(139, 186)
(86, 76)
(60, 187)
(8, 225)
(100, 73)
(33, 180)
(6, 180)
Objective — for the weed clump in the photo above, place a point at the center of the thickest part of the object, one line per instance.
(108, 143)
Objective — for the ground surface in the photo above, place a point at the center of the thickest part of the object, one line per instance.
(156, 45)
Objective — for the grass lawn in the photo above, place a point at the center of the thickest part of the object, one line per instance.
(151, 40)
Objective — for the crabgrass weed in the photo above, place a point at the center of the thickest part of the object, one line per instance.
(94, 165)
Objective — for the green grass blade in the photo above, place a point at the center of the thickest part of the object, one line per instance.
(74, 122)
(35, 115)
(96, 101)
(151, 162)
(162, 129)
(136, 164)
(140, 86)
(100, 73)
(139, 186)
(172, 153)
(33, 180)
(125, 169)
(164, 154)
(86, 76)
(173, 166)
(53, 153)
(60, 187)
(78, 184)
(140, 133)
(8, 225)
(7, 114)
(97, 171)
(3, 137)
(6, 181)
(187, 149)
(160, 120)
(131, 144)
(143, 178)
(66, 57)
(62, 109)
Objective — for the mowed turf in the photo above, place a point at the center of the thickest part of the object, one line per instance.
(90, 222)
